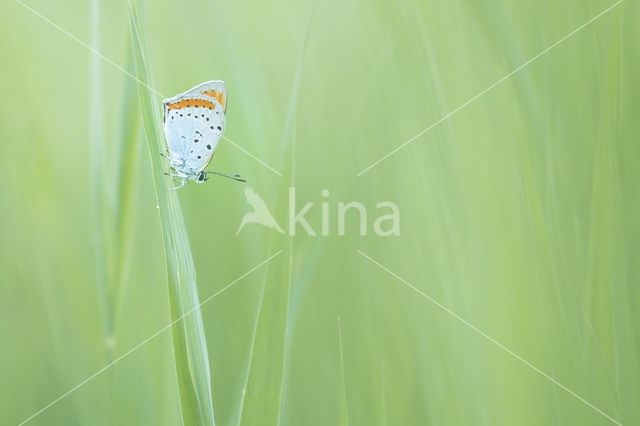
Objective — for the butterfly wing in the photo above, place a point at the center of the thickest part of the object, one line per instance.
(215, 89)
(193, 125)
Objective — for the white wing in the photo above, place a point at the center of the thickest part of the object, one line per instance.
(215, 89)
(193, 125)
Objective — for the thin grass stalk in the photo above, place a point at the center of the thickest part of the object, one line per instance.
(189, 345)
(99, 191)
(112, 196)
(264, 389)
(96, 162)
(125, 170)
(344, 411)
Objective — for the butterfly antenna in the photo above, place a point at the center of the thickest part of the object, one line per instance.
(227, 175)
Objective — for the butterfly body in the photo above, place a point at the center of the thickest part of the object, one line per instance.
(193, 124)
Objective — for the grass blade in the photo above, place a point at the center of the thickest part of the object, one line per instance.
(262, 398)
(96, 161)
(189, 345)
(126, 167)
(344, 411)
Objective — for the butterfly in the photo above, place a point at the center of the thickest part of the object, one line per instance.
(193, 123)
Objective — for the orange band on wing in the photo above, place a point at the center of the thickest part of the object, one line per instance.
(216, 95)
(191, 103)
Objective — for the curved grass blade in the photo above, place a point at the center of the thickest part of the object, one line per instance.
(189, 345)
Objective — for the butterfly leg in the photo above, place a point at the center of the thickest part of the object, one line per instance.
(162, 154)
(177, 187)
(178, 178)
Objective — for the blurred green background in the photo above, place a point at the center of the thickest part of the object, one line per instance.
(520, 213)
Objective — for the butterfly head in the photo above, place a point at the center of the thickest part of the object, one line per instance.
(202, 177)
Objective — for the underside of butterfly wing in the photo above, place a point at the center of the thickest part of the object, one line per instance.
(215, 89)
(193, 125)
